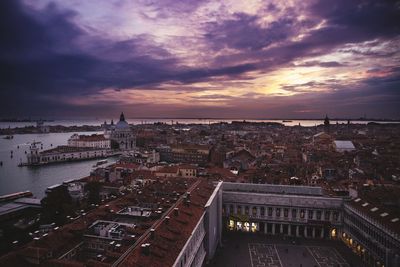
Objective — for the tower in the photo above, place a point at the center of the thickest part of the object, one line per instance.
(326, 123)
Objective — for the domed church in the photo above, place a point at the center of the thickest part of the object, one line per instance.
(120, 134)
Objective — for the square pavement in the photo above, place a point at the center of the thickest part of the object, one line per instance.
(252, 250)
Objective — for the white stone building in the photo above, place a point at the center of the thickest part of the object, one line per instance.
(92, 141)
(120, 134)
(299, 211)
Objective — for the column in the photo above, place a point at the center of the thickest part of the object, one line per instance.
(273, 228)
(281, 229)
(322, 232)
(289, 229)
(305, 231)
(313, 232)
(297, 231)
(265, 228)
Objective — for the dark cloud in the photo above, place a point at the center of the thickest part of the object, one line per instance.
(324, 64)
(167, 8)
(45, 54)
(243, 31)
(361, 20)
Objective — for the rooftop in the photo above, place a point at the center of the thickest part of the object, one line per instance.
(274, 189)
(172, 231)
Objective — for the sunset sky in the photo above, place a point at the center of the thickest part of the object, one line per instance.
(194, 58)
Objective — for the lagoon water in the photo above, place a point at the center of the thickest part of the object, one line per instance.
(37, 179)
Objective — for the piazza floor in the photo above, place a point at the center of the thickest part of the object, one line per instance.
(242, 250)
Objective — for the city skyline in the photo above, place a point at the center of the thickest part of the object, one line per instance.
(206, 59)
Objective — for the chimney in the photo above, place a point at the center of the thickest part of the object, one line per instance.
(145, 249)
(187, 203)
(188, 195)
(176, 212)
(167, 219)
(152, 233)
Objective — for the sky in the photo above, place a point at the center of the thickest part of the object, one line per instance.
(200, 58)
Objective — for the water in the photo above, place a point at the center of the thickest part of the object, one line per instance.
(37, 179)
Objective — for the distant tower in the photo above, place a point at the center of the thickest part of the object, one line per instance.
(326, 123)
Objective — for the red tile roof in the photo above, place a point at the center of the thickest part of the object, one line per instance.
(170, 237)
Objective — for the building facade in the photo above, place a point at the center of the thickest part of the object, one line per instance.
(194, 154)
(371, 233)
(206, 236)
(285, 210)
(64, 154)
(121, 135)
(92, 141)
(301, 211)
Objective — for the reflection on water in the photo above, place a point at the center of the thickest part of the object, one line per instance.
(36, 179)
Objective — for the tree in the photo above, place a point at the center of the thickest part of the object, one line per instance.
(93, 188)
(57, 205)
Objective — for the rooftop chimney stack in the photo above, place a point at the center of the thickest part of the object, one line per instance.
(145, 249)
(176, 212)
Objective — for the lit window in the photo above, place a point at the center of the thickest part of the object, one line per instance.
(231, 225)
(254, 227)
(247, 226)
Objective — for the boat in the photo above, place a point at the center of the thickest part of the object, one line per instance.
(286, 121)
(9, 137)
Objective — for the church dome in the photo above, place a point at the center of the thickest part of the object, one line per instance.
(122, 124)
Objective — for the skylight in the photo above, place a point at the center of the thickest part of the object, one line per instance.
(395, 220)
(365, 204)
(374, 209)
(384, 214)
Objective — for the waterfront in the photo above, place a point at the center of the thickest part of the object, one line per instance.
(37, 179)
